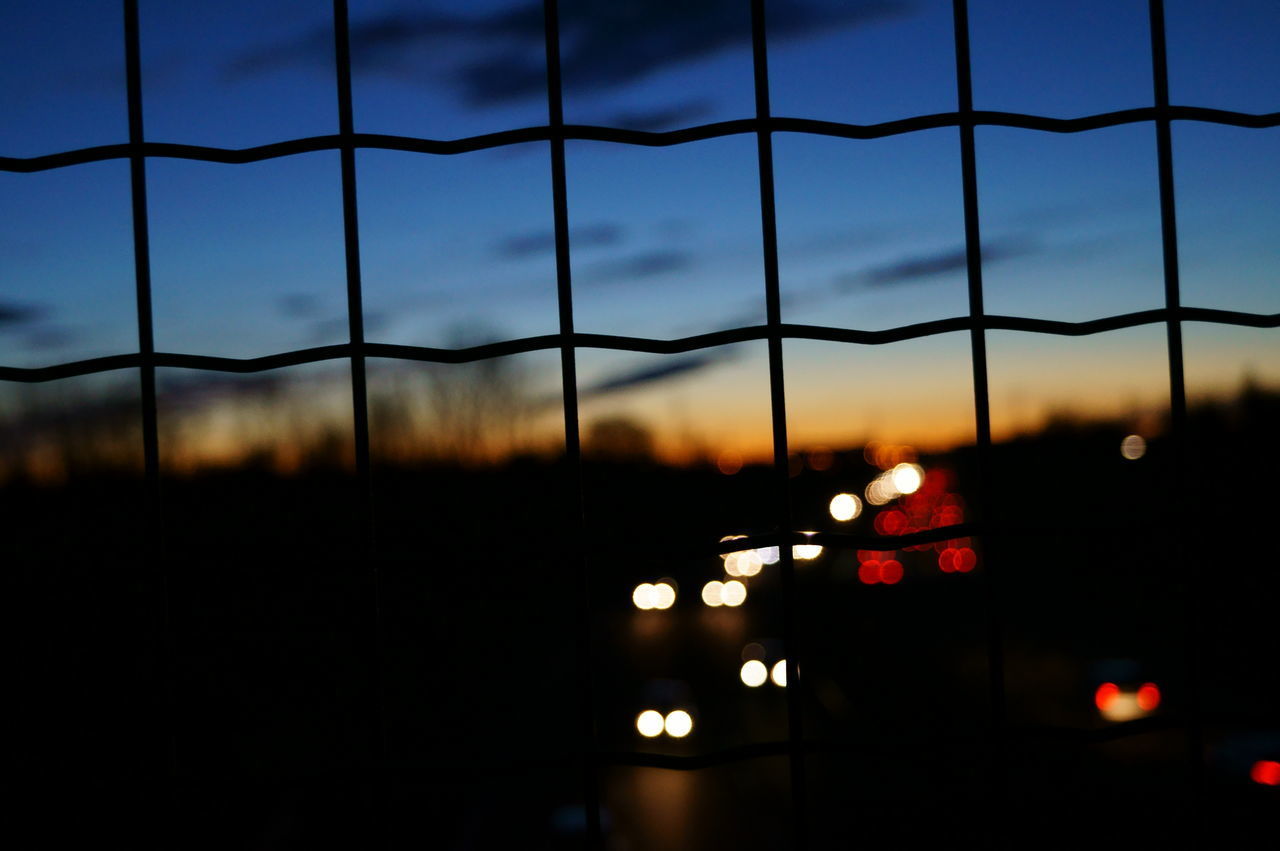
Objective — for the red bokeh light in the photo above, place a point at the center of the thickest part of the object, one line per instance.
(1148, 697)
(947, 560)
(891, 572)
(1266, 772)
(1106, 693)
(891, 522)
(965, 560)
(869, 572)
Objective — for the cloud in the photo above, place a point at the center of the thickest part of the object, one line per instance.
(14, 313)
(671, 367)
(544, 241)
(500, 57)
(325, 331)
(650, 264)
(298, 305)
(52, 337)
(682, 114)
(923, 267)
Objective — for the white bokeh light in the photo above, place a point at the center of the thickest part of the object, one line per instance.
(845, 507)
(1133, 447)
(907, 478)
(649, 723)
(754, 673)
(733, 593)
(679, 724)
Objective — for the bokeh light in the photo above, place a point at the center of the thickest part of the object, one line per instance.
(1105, 694)
(733, 593)
(649, 723)
(1133, 447)
(743, 563)
(907, 478)
(1116, 704)
(711, 593)
(806, 552)
(769, 555)
(1266, 772)
(754, 673)
(729, 462)
(880, 491)
(679, 724)
(779, 673)
(648, 596)
(644, 596)
(845, 507)
(1148, 697)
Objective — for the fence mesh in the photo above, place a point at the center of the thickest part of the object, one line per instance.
(138, 150)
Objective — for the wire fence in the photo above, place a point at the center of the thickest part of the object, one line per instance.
(977, 323)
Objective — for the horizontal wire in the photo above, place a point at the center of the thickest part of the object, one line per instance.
(587, 132)
(636, 344)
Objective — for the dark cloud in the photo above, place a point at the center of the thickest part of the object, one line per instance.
(325, 331)
(52, 337)
(498, 58)
(650, 264)
(683, 114)
(671, 367)
(12, 313)
(298, 305)
(925, 266)
(544, 242)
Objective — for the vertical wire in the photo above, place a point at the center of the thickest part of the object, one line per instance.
(154, 527)
(1177, 386)
(575, 517)
(359, 388)
(778, 401)
(998, 767)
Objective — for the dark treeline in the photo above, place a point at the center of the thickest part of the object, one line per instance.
(251, 655)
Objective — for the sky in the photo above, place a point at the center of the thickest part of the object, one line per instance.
(247, 260)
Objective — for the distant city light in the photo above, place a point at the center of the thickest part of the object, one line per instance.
(733, 593)
(1266, 772)
(907, 478)
(769, 555)
(779, 673)
(845, 507)
(880, 491)
(653, 596)
(1133, 447)
(743, 563)
(754, 673)
(711, 593)
(1116, 704)
(643, 596)
(678, 724)
(649, 723)
(806, 552)
(729, 462)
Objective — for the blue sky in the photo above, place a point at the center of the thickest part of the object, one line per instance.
(247, 260)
